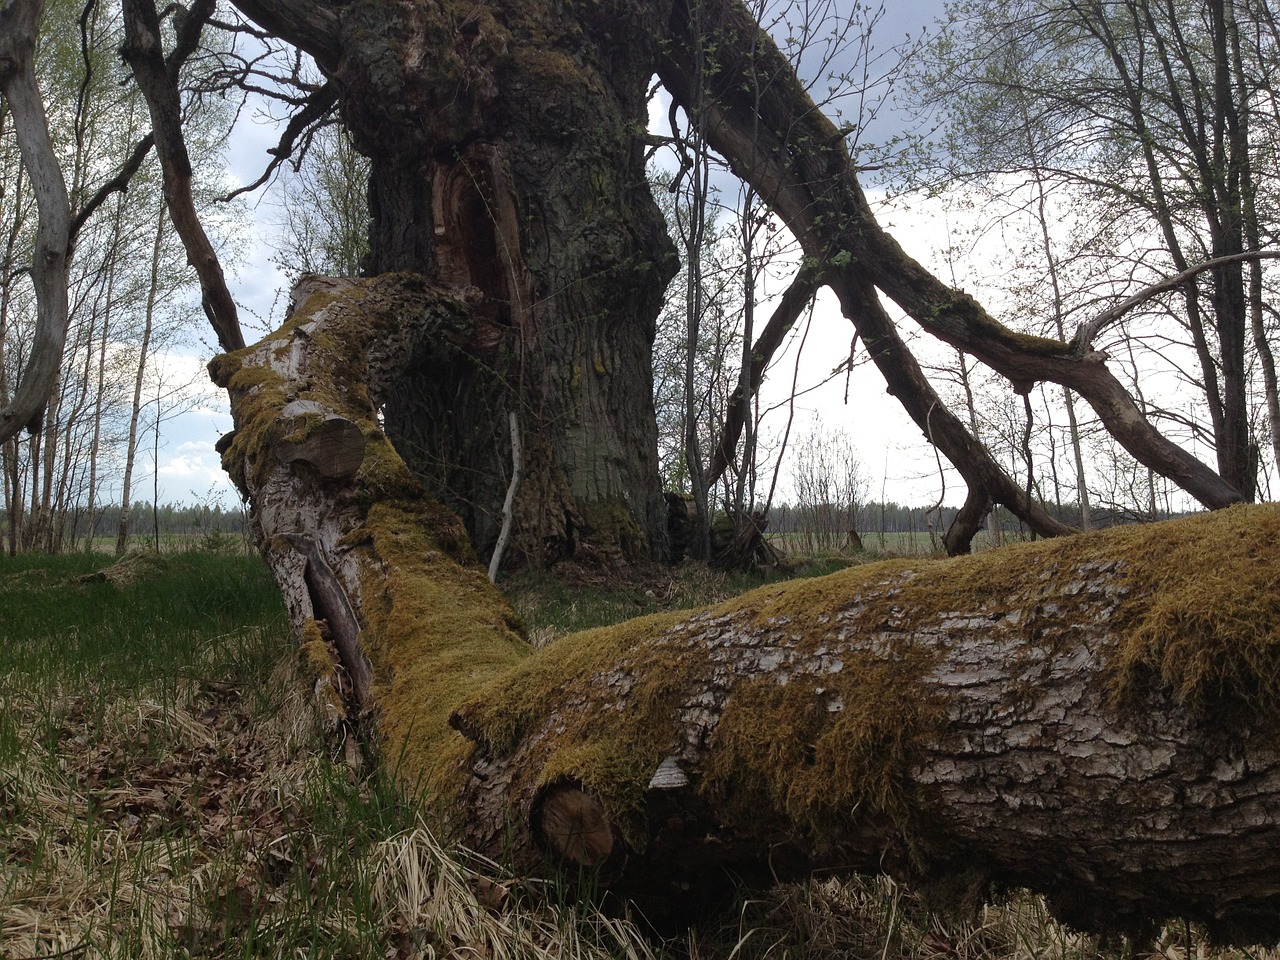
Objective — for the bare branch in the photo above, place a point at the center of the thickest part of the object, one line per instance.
(158, 82)
(797, 296)
(1088, 331)
(117, 184)
(316, 109)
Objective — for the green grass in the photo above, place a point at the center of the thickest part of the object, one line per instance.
(552, 604)
(61, 626)
(166, 790)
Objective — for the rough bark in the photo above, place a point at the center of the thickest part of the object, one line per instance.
(1093, 717)
(504, 161)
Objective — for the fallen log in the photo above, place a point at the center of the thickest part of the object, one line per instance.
(1093, 717)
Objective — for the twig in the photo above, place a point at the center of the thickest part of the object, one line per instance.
(509, 504)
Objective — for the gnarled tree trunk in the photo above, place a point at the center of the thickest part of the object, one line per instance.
(1093, 717)
(504, 164)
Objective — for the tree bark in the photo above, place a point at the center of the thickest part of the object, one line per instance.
(504, 161)
(1092, 717)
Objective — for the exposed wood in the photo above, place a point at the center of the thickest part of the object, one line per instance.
(19, 26)
(331, 604)
(332, 445)
(574, 826)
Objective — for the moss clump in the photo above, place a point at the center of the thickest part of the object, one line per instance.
(314, 655)
(319, 666)
(1210, 626)
(612, 753)
(778, 743)
(610, 522)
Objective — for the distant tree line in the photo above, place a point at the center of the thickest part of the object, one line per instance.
(77, 529)
(827, 526)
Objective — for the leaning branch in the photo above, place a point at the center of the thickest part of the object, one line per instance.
(797, 296)
(509, 504)
(158, 82)
(776, 139)
(1088, 331)
(19, 28)
(118, 183)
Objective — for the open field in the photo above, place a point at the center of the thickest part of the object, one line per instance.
(165, 791)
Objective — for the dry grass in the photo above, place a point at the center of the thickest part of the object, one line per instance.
(142, 829)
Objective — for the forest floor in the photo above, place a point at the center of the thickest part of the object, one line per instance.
(165, 791)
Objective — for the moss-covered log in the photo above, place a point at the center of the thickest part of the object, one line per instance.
(1094, 717)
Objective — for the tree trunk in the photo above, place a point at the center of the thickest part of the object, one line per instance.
(1093, 717)
(504, 162)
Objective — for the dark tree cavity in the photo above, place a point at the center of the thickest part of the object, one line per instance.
(506, 167)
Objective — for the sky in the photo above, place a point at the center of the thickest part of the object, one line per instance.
(897, 462)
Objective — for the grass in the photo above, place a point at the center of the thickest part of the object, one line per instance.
(165, 791)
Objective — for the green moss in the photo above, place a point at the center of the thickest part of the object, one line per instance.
(1210, 627)
(777, 746)
(548, 67)
(314, 655)
(436, 630)
(303, 427)
(611, 521)
(981, 325)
